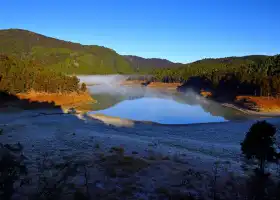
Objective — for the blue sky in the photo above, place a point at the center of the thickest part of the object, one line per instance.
(179, 30)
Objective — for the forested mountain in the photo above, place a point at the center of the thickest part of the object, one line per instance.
(62, 56)
(19, 76)
(248, 75)
(252, 75)
(209, 66)
(140, 64)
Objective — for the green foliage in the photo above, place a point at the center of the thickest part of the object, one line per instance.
(209, 66)
(147, 65)
(119, 150)
(62, 56)
(252, 75)
(83, 87)
(259, 143)
(23, 75)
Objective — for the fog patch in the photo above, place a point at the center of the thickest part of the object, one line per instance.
(102, 79)
(111, 85)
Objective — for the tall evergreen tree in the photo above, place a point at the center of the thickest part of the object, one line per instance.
(259, 144)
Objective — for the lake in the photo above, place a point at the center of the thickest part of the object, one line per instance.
(157, 105)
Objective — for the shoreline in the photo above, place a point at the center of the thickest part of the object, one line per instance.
(251, 112)
(169, 86)
(89, 141)
(81, 103)
(124, 122)
(265, 111)
(158, 158)
(64, 100)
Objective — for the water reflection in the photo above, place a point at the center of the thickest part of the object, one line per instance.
(142, 103)
(165, 111)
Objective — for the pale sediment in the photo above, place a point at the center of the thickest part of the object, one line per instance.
(116, 121)
(252, 112)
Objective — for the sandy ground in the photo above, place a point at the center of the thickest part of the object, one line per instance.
(180, 158)
(65, 100)
(264, 103)
(265, 113)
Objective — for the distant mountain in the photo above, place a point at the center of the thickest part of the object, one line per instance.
(62, 56)
(146, 64)
(232, 60)
(74, 58)
(255, 65)
(140, 64)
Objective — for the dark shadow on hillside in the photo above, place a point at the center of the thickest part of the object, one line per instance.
(196, 84)
(220, 93)
(8, 100)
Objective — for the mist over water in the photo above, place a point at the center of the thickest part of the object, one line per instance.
(151, 104)
(108, 84)
(102, 79)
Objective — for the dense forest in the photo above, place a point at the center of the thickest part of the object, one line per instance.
(43, 61)
(62, 56)
(18, 76)
(249, 75)
(147, 65)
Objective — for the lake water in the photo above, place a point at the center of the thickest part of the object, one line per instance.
(199, 143)
(158, 105)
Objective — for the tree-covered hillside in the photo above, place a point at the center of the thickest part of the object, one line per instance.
(19, 76)
(62, 56)
(207, 66)
(255, 74)
(248, 75)
(147, 65)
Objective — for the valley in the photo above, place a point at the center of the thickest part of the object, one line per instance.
(89, 121)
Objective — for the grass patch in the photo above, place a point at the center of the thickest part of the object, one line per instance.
(162, 190)
(102, 157)
(119, 150)
(174, 194)
(128, 191)
(151, 158)
(111, 171)
(122, 165)
(151, 144)
(97, 146)
(165, 158)
(79, 195)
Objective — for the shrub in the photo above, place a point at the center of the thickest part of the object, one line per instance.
(259, 144)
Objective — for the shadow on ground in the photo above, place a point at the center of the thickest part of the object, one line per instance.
(8, 101)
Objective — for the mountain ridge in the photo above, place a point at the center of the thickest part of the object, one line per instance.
(138, 62)
(75, 58)
(60, 55)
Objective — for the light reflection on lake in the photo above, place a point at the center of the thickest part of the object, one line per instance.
(156, 105)
(164, 111)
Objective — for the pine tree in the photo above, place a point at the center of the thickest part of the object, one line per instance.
(259, 144)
